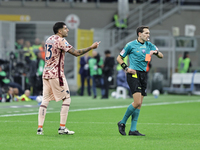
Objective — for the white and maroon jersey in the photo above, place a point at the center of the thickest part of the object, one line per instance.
(55, 48)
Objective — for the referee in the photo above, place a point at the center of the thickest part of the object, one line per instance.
(140, 52)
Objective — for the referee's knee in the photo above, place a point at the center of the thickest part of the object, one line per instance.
(137, 104)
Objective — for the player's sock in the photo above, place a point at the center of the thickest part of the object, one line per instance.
(42, 113)
(134, 119)
(62, 126)
(64, 111)
(40, 127)
(129, 111)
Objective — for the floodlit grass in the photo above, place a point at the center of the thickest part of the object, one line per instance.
(170, 122)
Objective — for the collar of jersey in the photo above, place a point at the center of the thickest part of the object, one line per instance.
(139, 41)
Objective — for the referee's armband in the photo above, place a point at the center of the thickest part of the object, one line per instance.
(124, 66)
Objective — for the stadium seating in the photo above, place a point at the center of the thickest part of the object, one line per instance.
(184, 83)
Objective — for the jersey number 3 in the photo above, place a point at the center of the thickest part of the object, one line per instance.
(48, 52)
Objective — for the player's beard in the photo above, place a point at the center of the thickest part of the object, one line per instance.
(65, 35)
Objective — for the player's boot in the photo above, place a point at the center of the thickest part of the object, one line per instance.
(121, 128)
(65, 131)
(40, 131)
(135, 133)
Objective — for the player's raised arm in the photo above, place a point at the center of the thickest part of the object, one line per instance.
(79, 52)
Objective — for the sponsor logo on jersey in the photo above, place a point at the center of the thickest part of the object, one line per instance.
(143, 46)
(143, 50)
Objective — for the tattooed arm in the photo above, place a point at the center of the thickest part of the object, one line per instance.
(79, 52)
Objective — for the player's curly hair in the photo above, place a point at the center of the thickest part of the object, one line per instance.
(57, 26)
(140, 29)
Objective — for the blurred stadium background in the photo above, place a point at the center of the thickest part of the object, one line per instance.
(173, 25)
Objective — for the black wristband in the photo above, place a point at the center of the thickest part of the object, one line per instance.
(124, 66)
(157, 53)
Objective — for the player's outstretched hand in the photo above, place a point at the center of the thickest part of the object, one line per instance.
(95, 45)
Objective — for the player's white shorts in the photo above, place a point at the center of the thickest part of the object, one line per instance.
(53, 91)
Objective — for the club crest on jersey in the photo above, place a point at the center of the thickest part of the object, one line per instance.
(122, 52)
(143, 50)
(67, 44)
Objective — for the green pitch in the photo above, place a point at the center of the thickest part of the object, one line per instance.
(170, 122)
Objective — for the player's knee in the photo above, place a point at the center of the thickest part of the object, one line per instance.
(44, 103)
(138, 104)
(67, 100)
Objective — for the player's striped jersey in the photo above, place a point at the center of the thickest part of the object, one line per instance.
(55, 48)
(137, 53)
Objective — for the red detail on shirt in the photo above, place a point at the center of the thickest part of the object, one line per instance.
(56, 47)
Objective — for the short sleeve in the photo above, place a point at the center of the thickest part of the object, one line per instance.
(64, 45)
(125, 51)
(153, 47)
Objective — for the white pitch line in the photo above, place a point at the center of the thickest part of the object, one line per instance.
(14, 106)
(111, 107)
(167, 124)
(27, 105)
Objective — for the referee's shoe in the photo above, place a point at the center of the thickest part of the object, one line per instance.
(135, 133)
(121, 128)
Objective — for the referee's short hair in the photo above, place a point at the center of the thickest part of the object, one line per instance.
(140, 29)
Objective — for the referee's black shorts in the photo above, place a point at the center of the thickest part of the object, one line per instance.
(138, 82)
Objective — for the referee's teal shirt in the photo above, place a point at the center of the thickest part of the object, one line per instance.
(137, 53)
